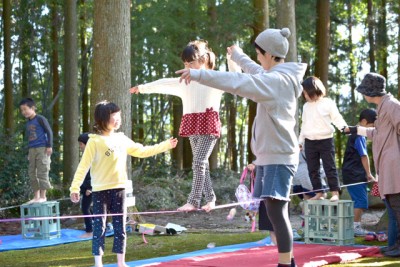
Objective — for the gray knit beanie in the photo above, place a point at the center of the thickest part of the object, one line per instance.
(372, 85)
(274, 41)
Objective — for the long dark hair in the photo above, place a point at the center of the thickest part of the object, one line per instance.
(102, 114)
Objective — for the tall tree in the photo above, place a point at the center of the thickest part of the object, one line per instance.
(371, 36)
(55, 24)
(322, 41)
(261, 22)
(286, 17)
(212, 16)
(382, 41)
(84, 74)
(111, 57)
(71, 94)
(8, 87)
(352, 64)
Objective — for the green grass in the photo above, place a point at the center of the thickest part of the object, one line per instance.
(79, 254)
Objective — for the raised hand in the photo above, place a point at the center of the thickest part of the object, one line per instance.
(185, 75)
(134, 90)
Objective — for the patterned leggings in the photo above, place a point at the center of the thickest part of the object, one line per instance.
(202, 147)
(112, 200)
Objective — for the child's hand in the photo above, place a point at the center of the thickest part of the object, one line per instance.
(75, 197)
(371, 178)
(49, 151)
(251, 167)
(185, 75)
(134, 90)
(88, 192)
(173, 142)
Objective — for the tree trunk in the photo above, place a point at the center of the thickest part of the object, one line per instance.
(322, 39)
(286, 18)
(8, 87)
(25, 57)
(261, 23)
(352, 67)
(71, 93)
(382, 41)
(212, 15)
(177, 153)
(371, 36)
(111, 58)
(56, 78)
(85, 48)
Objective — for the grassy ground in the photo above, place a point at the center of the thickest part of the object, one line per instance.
(79, 254)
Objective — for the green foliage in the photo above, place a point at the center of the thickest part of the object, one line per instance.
(14, 181)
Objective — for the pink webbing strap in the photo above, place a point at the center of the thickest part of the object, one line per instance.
(244, 176)
(253, 225)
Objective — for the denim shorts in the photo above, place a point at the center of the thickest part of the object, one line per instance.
(274, 181)
(359, 195)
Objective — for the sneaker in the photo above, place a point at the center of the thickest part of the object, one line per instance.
(358, 231)
(296, 235)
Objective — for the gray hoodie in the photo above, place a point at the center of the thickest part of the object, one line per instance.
(275, 91)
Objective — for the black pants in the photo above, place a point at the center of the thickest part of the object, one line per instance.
(86, 209)
(324, 150)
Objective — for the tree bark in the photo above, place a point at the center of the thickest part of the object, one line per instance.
(111, 58)
(56, 78)
(371, 36)
(85, 52)
(261, 22)
(286, 18)
(322, 39)
(71, 95)
(382, 41)
(8, 86)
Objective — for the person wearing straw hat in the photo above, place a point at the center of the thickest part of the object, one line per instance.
(385, 137)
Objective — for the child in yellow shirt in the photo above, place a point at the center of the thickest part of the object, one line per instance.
(105, 155)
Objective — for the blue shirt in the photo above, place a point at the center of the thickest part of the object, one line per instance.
(39, 132)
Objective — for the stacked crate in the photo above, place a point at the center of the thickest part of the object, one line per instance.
(33, 227)
(329, 222)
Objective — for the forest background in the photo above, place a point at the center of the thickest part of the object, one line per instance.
(68, 55)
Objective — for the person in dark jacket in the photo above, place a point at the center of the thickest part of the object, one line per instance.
(86, 192)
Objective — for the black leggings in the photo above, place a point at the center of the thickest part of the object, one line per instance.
(278, 213)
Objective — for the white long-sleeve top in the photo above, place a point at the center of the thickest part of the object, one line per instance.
(201, 104)
(317, 120)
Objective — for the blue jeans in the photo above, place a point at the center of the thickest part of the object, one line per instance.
(392, 225)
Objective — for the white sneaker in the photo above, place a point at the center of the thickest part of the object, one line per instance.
(358, 231)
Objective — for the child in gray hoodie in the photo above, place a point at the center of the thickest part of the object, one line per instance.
(275, 86)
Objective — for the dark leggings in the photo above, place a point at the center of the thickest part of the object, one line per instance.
(278, 213)
(393, 201)
(87, 210)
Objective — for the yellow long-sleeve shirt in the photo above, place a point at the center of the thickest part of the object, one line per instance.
(106, 157)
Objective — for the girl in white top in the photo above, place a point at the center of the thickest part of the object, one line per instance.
(319, 113)
(200, 121)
